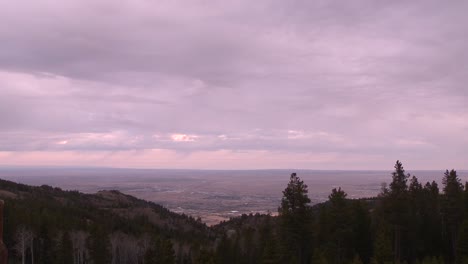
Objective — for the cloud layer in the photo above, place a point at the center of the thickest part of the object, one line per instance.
(244, 84)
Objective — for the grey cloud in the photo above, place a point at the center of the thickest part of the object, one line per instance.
(382, 76)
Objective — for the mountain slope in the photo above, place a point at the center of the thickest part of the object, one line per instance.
(48, 213)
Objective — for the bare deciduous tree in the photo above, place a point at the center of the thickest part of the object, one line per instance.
(144, 244)
(125, 248)
(80, 251)
(24, 238)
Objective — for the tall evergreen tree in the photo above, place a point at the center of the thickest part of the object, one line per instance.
(45, 247)
(416, 196)
(399, 184)
(224, 252)
(204, 257)
(296, 222)
(399, 208)
(99, 246)
(382, 245)
(339, 243)
(430, 226)
(465, 198)
(462, 245)
(452, 208)
(270, 252)
(362, 235)
(65, 253)
(161, 252)
(269, 243)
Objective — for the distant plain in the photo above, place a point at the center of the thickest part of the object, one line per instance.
(212, 195)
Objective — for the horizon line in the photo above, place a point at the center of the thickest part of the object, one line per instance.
(207, 169)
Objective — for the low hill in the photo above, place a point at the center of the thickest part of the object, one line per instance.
(47, 213)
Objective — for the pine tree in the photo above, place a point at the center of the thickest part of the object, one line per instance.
(224, 253)
(45, 249)
(296, 221)
(399, 184)
(430, 221)
(399, 208)
(337, 198)
(270, 252)
(465, 198)
(415, 223)
(269, 244)
(462, 245)
(160, 252)
(205, 257)
(65, 249)
(452, 208)
(99, 245)
(362, 236)
(382, 245)
(339, 243)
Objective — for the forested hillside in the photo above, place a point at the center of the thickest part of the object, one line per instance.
(409, 222)
(50, 225)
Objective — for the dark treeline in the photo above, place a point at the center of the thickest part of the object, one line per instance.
(408, 222)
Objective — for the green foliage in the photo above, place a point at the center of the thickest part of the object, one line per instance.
(295, 221)
(383, 245)
(452, 209)
(465, 198)
(462, 245)
(51, 212)
(319, 257)
(99, 245)
(397, 211)
(362, 233)
(356, 260)
(65, 251)
(295, 200)
(399, 184)
(336, 234)
(161, 251)
(407, 223)
(205, 257)
(269, 243)
(45, 247)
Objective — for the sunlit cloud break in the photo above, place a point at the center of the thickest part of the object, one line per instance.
(183, 138)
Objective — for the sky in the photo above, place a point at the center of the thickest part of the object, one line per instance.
(234, 84)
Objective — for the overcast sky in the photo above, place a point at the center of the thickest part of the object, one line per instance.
(234, 84)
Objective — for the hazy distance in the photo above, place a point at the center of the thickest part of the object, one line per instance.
(213, 195)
